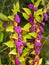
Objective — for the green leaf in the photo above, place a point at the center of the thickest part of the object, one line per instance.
(11, 17)
(10, 43)
(1, 36)
(38, 18)
(26, 27)
(32, 1)
(37, 3)
(34, 34)
(0, 23)
(10, 29)
(0, 64)
(25, 37)
(3, 17)
(38, 12)
(27, 11)
(30, 45)
(48, 6)
(43, 2)
(13, 52)
(1, 26)
(25, 16)
(25, 52)
(16, 8)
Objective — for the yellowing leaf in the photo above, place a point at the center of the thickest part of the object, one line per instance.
(10, 44)
(38, 30)
(11, 17)
(33, 52)
(40, 61)
(22, 59)
(28, 11)
(13, 52)
(30, 61)
(10, 29)
(14, 36)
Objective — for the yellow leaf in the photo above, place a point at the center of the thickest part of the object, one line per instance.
(21, 59)
(33, 52)
(40, 61)
(13, 52)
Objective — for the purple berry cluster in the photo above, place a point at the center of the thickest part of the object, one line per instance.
(32, 7)
(18, 42)
(37, 28)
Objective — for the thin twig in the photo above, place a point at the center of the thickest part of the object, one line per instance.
(45, 40)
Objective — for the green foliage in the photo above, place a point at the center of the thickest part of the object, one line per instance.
(48, 6)
(32, 1)
(25, 52)
(26, 27)
(1, 26)
(1, 37)
(26, 36)
(43, 2)
(37, 3)
(16, 8)
(25, 16)
(33, 34)
(11, 17)
(37, 15)
(6, 6)
(38, 18)
(29, 45)
(3, 17)
(0, 64)
(38, 12)
(27, 11)
(1, 32)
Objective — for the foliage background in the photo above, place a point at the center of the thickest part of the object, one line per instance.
(5, 8)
